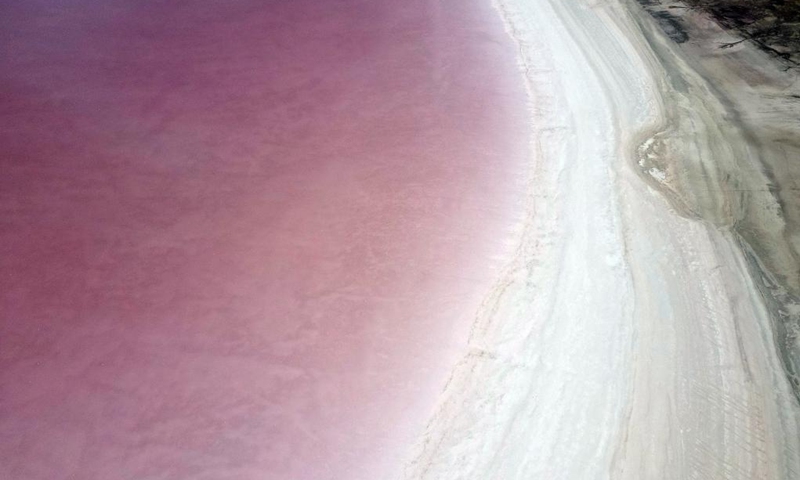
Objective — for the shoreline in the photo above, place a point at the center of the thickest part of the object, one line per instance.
(626, 341)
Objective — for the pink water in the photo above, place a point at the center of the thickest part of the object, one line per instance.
(244, 239)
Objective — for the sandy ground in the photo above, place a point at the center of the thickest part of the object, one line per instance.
(727, 152)
(625, 340)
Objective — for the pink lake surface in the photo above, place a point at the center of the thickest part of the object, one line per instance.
(244, 239)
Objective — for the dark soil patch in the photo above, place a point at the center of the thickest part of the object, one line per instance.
(671, 25)
(773, 25)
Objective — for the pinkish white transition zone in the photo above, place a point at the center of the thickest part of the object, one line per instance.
(244, 239)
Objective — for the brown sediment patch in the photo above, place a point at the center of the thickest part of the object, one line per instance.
(729, 145)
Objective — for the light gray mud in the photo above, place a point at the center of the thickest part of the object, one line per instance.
(729, 150)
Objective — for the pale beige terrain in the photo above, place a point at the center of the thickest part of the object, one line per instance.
(728, 151)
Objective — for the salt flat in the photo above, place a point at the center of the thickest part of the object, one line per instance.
(624, 340)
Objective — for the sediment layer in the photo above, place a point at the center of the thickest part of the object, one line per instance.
(728, 151)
